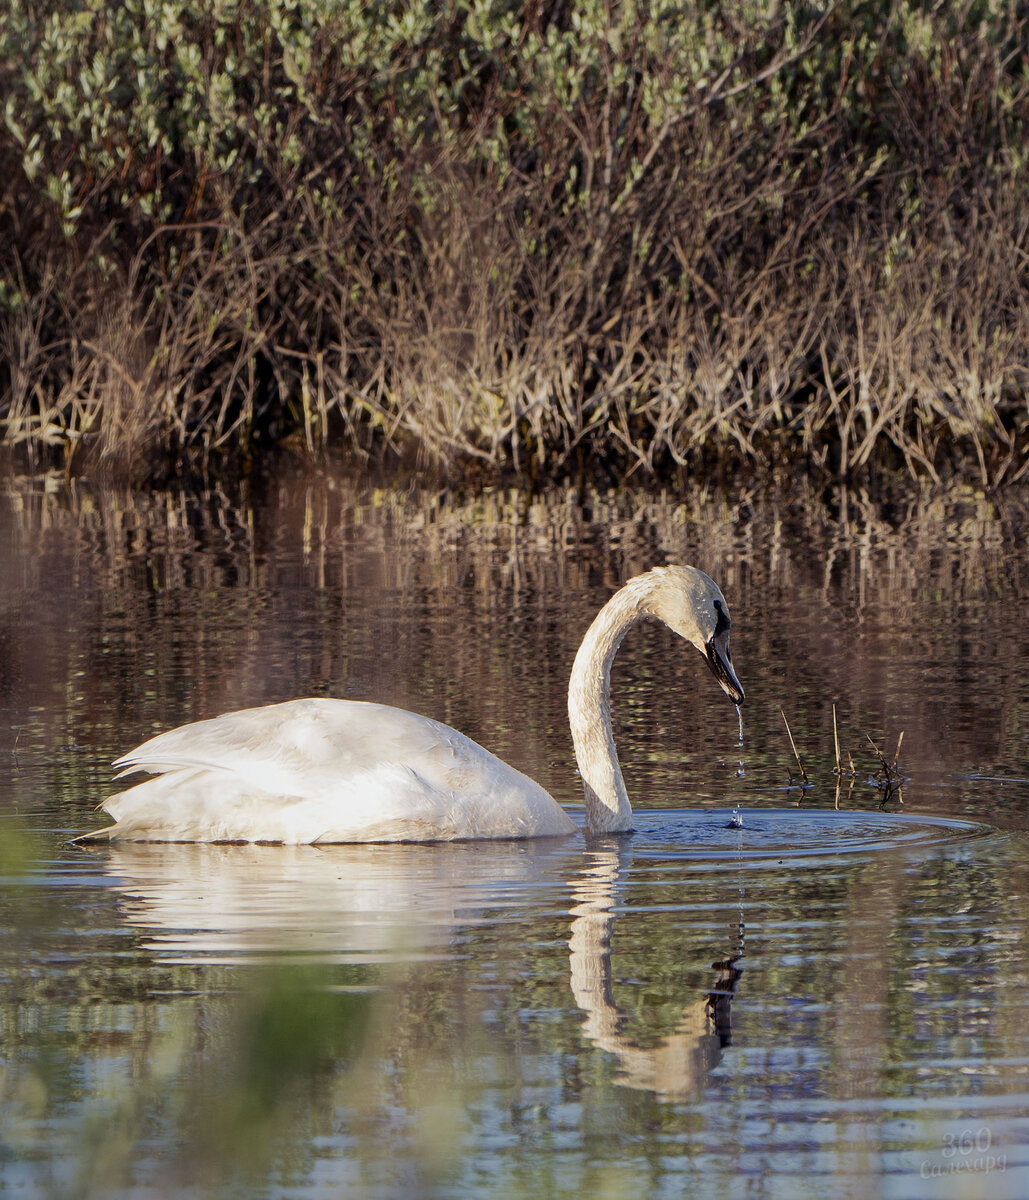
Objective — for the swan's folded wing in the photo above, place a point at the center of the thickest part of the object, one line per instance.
(326, 771)
(300, 747)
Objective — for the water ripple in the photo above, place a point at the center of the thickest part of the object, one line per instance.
(793, 835)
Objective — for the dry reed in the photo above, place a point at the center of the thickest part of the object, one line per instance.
(540, 268)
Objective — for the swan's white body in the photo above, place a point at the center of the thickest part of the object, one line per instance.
(310, 771)
(327, 771)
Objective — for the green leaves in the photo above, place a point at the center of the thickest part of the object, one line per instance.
(455, 199)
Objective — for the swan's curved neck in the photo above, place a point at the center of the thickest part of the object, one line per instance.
(589, 714)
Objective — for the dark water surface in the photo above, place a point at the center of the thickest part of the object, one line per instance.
(828, 1000)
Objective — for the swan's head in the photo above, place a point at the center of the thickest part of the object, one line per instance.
(691, 604)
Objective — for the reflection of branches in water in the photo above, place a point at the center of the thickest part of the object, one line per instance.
(508, 539)
(221, 599)
(676, 1068)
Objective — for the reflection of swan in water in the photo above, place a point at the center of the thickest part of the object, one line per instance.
(675, 1069)
(323, 770)
(365, 904)
(341, 903)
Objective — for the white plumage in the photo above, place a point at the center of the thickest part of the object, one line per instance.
(322, 770)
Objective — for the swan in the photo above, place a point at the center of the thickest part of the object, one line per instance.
(323, 770)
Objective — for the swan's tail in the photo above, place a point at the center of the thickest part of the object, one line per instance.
(95, 835)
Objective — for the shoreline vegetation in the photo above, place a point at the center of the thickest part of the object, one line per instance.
(536, 241)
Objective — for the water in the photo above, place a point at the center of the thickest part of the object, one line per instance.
(827, 999)
(741, 771)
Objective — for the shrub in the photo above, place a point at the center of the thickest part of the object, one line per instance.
(528, 236)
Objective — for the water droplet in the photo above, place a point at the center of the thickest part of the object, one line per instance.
(739, 715)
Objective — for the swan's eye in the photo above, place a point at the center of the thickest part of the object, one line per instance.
(721, 619)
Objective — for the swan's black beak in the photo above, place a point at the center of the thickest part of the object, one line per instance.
(720, 661)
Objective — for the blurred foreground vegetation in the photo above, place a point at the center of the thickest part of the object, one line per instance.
(535, 238)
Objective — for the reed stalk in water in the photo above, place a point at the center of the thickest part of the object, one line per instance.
(796, 753)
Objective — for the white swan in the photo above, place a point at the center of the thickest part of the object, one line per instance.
(320, 770)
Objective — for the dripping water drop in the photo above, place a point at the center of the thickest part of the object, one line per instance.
(739, 713)
(736, 820)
